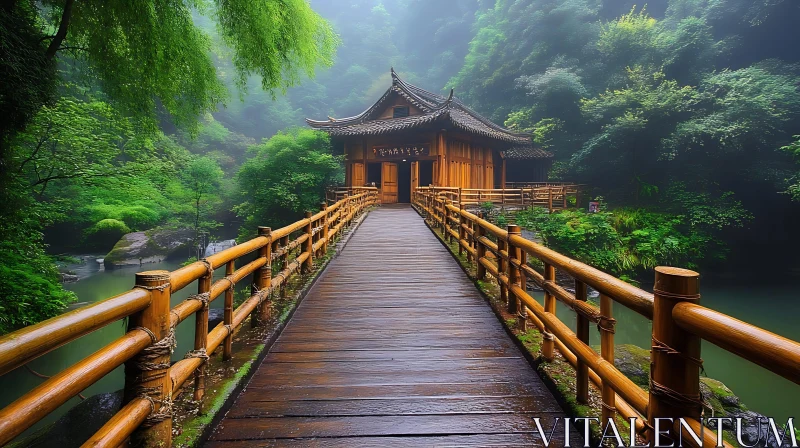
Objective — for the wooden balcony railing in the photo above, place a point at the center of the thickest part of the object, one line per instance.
(679, 322)
(552, 197)
(151, 383)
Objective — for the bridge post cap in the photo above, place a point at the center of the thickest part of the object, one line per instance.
(676, 272)
(264, 230)
(308, 214)
(152, 277)
(323, 205)
(676, 283)
(515, 229)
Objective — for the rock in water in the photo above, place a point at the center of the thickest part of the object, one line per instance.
(150, 246)
(219, 246)
(78, 424)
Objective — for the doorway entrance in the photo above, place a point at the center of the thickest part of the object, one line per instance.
(396, 179)
(404, 182)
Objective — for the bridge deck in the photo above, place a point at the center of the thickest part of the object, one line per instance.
(393, 346)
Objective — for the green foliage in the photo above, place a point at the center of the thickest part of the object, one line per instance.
(29, 77)
(286, 176)
(624, 242)
(279, 41)
(29, 285)
(105, 233)
(794, 182)
(202, 177)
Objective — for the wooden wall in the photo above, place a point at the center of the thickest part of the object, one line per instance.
(457, 162)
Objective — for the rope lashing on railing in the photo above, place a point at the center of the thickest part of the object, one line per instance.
(672, 295)
(610, 408)
(163, 287)
(145, 361)
(229, 279)
(608, 324)
(203, 298)
(664, 348)
(156, 417)
(694, 400)
(209, 267)
(199, 353)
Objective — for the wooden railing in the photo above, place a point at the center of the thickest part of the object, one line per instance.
(151, 383)
(679, 322)
(335, 194)
(552, 197)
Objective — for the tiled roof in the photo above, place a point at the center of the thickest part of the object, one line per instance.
(525, 152)
(434, 107)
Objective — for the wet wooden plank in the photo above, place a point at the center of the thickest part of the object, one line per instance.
(388, 355)
(392, 425)
(396, 406)
(466, 441)
(393, 346)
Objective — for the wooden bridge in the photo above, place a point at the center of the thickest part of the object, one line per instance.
(393, 345)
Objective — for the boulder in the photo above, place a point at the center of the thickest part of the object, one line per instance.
(67, 277)
(150, 246)
(633, 362)
(215, 316)
(219, 246)
(78, 424)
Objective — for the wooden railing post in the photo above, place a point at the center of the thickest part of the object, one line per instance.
(607, 328)
(550, 199)
(548, 342)
(461, 232)
(480, 249)
(201, 333)
(147, 374)
(324, 207)
(262, 278)
(308, 246)
(514, 272)
(582, 331)
(675, 355)
(285, 261)
(227, 316)
(502, 264)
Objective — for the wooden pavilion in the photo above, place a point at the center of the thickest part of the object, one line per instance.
(411, 137)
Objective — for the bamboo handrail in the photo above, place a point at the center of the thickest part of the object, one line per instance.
(678, 321)
(769, 350)
(24, 345)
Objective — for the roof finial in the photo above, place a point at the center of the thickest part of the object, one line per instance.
(450, 98)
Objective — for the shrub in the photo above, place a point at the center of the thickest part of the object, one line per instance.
(624, 242)
(30, 288)
(105, 233)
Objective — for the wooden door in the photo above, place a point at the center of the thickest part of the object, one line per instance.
(358, 175)
(389, 183)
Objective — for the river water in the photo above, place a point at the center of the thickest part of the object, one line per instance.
(773, 307)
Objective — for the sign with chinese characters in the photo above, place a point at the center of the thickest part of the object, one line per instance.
(401, 150)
